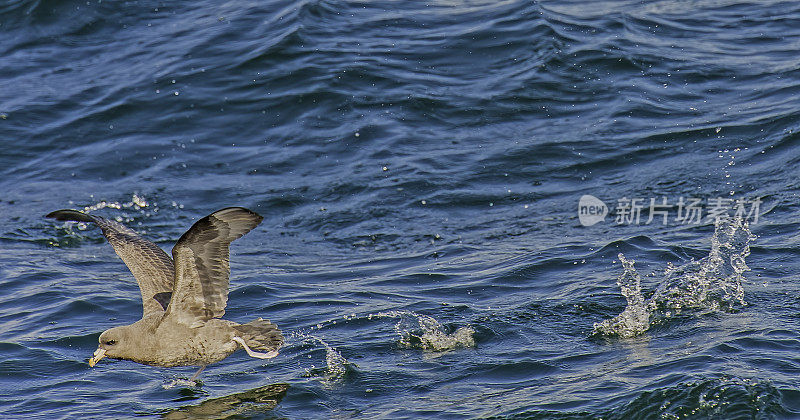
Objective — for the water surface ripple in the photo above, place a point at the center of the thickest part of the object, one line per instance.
(419, 167)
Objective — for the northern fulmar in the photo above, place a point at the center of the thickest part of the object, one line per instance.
(183, 297)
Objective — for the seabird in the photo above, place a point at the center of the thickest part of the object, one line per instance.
(183, 297)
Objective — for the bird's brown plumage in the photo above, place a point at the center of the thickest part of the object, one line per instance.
(202, 269)
(182, 301)
(150, 265)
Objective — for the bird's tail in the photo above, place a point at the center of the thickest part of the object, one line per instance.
(260, 335)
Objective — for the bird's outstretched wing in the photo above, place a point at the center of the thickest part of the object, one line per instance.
(150, 265)
(201, 265)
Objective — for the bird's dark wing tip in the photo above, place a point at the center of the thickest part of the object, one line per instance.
(163, 299)
(70, 215)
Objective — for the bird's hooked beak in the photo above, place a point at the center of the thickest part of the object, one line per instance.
(98, 354)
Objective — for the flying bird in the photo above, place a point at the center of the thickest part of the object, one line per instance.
(183, 297)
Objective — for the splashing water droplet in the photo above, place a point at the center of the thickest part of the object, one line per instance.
(635, 319)
(336, 364)
(711, 284)
(430, 334)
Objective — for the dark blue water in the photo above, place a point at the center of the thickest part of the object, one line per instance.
(419, 168)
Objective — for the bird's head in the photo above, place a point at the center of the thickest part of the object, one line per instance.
(115, 343)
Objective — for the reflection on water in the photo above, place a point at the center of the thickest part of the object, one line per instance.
(248, 403)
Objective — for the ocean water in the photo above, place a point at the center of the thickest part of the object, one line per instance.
(419, 167)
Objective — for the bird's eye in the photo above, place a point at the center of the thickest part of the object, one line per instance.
(111, 342)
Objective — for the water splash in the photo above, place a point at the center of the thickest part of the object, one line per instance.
(415, 330)
(137, 202)
(424, 332)
(70, 233)
(335, 364)
(635, 319)
(711, 284)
